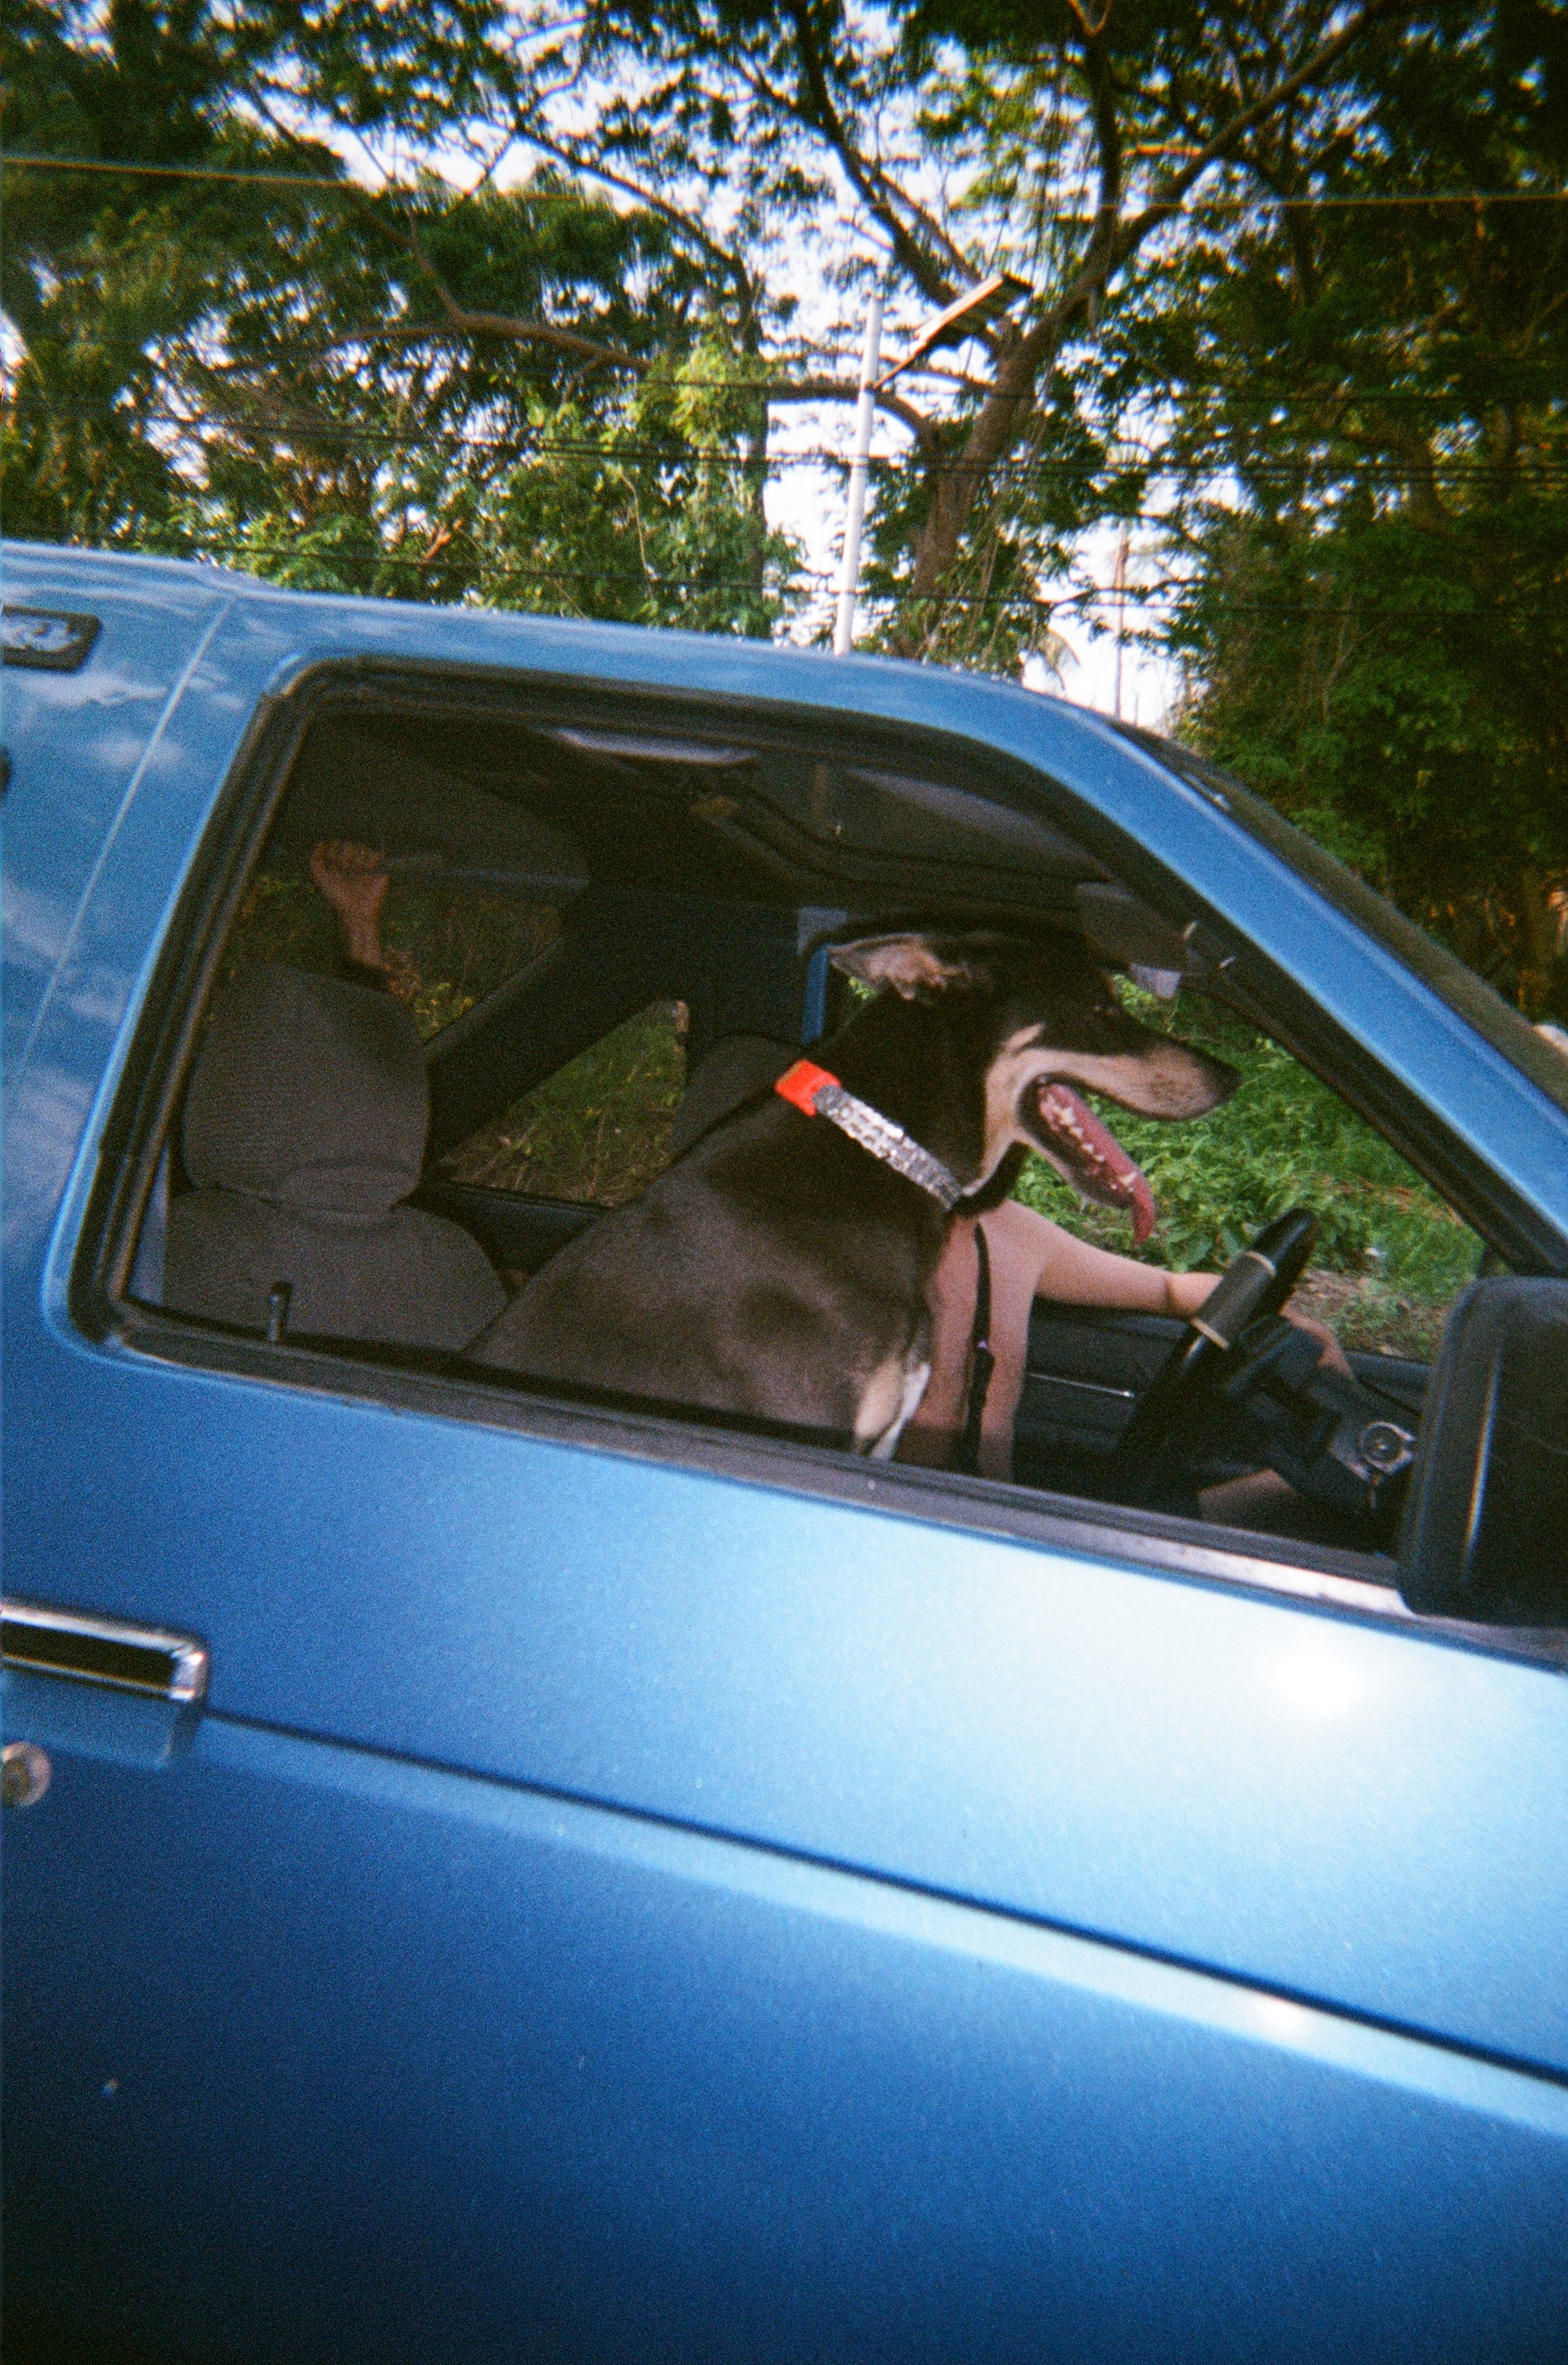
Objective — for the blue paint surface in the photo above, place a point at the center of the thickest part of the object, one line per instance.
(608, 1909)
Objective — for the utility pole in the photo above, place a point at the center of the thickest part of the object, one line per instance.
(987, 301)
(849, 572)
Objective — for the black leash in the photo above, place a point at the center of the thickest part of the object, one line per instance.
(983, 1362)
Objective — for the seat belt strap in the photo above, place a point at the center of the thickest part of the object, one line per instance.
(983, 1362)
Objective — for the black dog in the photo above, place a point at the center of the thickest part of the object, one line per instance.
(780, 1269)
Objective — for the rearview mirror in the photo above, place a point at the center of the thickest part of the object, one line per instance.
(1118, 926)
(1485, 1528)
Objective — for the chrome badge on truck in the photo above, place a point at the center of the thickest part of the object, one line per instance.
(49, 639)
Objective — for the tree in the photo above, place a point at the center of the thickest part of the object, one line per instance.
(241, 349)
(1222, 293)
(1377, 614)
(1036, 138)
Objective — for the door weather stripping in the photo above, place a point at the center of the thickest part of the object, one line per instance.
(93, 1649)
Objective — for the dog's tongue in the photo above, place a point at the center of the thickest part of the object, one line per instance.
(1096, 1157)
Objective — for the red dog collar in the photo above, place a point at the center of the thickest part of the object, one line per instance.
(801, 1083)
(817, 1092)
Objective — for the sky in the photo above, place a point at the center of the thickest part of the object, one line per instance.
(810, 501)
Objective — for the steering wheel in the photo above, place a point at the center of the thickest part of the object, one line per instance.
(1252, 1287)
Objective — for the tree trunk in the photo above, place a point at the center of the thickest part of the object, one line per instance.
(958, 480)
(1537, 928)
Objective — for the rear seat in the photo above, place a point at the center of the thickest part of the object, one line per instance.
(304, 1132)
(733, 1070)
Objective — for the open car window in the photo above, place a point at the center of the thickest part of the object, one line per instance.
(598, 1130)
(584, 927)
(1391, 1255)
(448, 945)
(1480, 1006)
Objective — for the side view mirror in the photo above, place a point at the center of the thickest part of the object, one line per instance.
(1484, 1535)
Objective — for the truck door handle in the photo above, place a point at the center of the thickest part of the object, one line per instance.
(103, 1688)
(151, 1660)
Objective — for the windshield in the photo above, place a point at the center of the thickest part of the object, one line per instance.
(1449, 977)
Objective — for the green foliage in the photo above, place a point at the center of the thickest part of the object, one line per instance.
(1378, 683)
(448, 947)
(1390, 1254)
(1346, 398)
(989, 615)
(597, 1130)
(1281, 1140)
(648, 518)
(1370, 404)
(285, 377)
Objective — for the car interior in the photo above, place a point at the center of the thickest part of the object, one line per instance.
(628, 918)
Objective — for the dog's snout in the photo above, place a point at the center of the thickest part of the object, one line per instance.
(1180, 1081)
(1195, 1076)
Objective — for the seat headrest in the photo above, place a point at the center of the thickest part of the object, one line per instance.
(308, 1093)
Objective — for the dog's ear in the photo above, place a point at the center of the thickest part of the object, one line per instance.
(910, 965)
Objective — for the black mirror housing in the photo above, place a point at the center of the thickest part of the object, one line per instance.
(1484, 1535)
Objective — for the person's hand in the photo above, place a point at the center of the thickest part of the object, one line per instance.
(1333, 1354)
(354, 882)
(1185, 1294)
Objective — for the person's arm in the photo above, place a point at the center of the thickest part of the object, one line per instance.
(354, 882)
(1072, 1273)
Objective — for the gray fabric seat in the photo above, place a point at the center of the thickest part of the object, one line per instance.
(733, 1070)
(303, 1131)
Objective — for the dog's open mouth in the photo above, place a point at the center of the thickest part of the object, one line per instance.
(1090, 1155)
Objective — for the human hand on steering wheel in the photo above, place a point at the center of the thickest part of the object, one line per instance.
(1254, 1287)
(1330, 1436)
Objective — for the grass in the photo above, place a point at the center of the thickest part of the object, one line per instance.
(1391, 1254)
(448, 948)
(597, 1129)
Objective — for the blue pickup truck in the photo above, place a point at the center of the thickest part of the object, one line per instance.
(500, 1871)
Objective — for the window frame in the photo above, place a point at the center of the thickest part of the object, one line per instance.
(167, 1029)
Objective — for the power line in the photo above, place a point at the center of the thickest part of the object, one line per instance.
(400, 331)
(1390, 198)
(1106, 595)
(1256, 204)
(1015, 467)
(774, 386)
(313, 424)
(206, 548)
(340, 182)
(1268, 393)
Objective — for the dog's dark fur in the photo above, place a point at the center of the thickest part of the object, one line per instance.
(778, 1269)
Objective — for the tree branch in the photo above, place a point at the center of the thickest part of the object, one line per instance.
(562, 154)
(463, 320)
(873, 187)
(837, 389)
(1414, 453)
(1000, 419)
(1217, 149)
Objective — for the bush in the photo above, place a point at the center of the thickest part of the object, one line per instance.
(1281, 1140)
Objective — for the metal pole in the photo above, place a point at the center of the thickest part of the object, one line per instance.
(849, 573)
